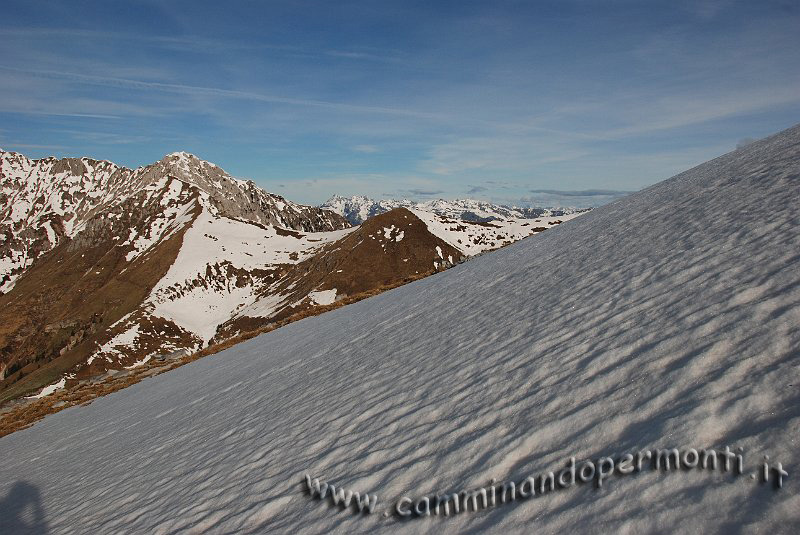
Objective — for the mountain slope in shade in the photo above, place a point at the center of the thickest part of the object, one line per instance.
(69, 296)
(623, 330)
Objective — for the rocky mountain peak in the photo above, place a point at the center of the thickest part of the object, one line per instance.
(44, 201)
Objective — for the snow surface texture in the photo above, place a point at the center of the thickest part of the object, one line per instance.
(623, 329)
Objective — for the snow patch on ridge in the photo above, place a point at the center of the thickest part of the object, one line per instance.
(323, 297)
(46, 391)
(125, 338)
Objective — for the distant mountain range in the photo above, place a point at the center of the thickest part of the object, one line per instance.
(104, 268)
(357, 209)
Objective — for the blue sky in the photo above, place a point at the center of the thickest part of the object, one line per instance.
(563, 102)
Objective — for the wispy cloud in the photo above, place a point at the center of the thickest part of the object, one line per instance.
(423, 192)
(57, 113)
(673, 111)
(194, 43)
(107, 81)
(583, 192)
(500, 153)
(105, 138)
(366, 149)
(374, 99)
(384, 57)
(16, 147)
(706, 9)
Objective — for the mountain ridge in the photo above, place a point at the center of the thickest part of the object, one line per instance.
(358, 208)
(44, 200)
(104, 268)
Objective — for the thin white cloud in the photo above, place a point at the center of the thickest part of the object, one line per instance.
(506, 153)
(183, 43)
(108, 81)
(383, 57)
(366, 149)
(58, 114)
(670, 112)
(12, 146)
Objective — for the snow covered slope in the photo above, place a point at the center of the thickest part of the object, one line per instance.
(474, 237)
(623, 330)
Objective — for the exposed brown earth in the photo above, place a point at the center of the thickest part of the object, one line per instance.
(83, 305)
(368, 258)
(66, 300)
(23, 414)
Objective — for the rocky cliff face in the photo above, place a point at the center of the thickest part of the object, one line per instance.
(243, 199)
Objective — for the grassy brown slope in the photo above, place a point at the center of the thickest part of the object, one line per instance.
(52, 319)
(24, 415)
(366, 258)
(361, 262)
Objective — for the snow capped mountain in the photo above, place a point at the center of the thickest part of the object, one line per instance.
(111, 254)
(240, 199)
(44, 201)
(104, 268)
(358, 209)
(625, 331)
(470, 226)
